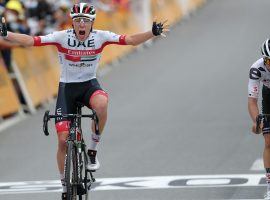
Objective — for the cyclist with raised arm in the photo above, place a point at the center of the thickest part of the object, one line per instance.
(260, 73)
(79, 52)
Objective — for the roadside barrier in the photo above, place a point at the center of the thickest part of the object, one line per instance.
(166, 9)
(37, 72)
(9, 102)
(194, 4)
(121, 22)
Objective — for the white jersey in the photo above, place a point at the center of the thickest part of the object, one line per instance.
(79, 60)
(258, 74)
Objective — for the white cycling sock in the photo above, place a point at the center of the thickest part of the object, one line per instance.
(64, 186)
(94, 141)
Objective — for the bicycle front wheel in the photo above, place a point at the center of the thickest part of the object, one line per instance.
(71, 171)
(83, 176)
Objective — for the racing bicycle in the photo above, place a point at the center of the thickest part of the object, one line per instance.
(78, 179)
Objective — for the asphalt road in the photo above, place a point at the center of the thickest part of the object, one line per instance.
(178, 124)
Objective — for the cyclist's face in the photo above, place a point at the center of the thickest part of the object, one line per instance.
(267, 63)
(82, 27)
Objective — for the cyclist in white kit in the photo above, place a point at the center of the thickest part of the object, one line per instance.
(259, 74)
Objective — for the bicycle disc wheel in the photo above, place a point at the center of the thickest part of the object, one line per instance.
(71, 171)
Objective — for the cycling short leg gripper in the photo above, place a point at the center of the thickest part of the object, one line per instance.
(62, 126)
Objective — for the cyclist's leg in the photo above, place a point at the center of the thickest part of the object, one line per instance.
(266, 133)
(96, 99)
(63, 105)
(62, 129)
(99, 102)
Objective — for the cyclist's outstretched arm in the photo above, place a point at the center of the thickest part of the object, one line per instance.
(139, 38)
(5, 44)
(22, 39)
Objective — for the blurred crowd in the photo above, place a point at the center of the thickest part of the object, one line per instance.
(40, 17)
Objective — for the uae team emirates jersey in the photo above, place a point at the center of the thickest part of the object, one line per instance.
(79, 59)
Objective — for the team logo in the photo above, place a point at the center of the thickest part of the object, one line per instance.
(76, 43)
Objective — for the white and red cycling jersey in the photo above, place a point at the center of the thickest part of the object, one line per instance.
(79, 60)
(258, 73)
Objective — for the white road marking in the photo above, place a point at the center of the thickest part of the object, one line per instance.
(135, 183)
(257, 165)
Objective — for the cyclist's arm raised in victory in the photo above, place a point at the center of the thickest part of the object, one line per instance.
(139, 38)
(27, 40)
(22, 39)
(157, 29)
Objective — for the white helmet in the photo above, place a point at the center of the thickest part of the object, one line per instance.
(83, 10)
(265, 49)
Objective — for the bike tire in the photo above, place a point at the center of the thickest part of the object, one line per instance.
(84, 178)
(71, 171)
(87, 179)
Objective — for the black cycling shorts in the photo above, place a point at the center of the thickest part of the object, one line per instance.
(70, 93)
(266, 106)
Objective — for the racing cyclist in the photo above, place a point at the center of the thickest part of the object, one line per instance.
(260, 73)
(79, 51)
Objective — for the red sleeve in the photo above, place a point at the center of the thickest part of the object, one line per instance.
(122, 40)
(37, 41)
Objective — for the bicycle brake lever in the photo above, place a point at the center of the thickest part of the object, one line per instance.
(259, 120)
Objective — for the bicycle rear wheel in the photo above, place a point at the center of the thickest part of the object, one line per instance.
(71, 169)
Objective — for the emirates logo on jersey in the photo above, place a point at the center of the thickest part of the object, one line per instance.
(82, 52)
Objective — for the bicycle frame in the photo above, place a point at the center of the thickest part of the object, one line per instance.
(76, 156)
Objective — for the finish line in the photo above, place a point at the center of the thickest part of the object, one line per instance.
(135, 183)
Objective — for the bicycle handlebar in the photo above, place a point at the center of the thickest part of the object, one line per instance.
(260, 120)
(47, 118)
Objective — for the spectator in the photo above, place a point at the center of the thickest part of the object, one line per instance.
(14, 14)
(15, 17)
(40, 16)
(61, 16)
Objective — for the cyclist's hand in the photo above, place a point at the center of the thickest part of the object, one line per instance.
(160, 28)
(3, 28)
